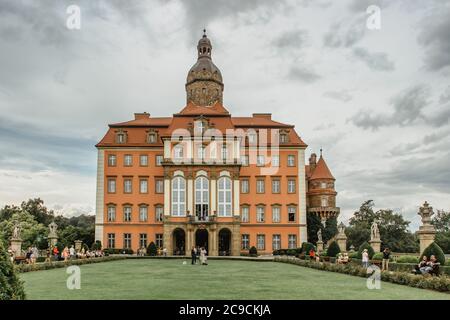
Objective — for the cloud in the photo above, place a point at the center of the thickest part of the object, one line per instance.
(303, 74)
(345, 33)
(407, 105)
(292, 39)
(435, 39)
(342, 95)
(378, 61)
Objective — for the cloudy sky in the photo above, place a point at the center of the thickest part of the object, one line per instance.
(377, 101)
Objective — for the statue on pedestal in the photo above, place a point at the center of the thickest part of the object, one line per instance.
(16, 231)
(374, 231)
(426, 212)
(53, 227)
(426, 231)
(319, 235)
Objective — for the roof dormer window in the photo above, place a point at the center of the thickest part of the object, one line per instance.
(151, 137)
(121, 137)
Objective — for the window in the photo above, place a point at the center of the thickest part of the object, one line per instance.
(324, 202)
(178, 196)
(127, 240)
(143, 213)
(291, 185)
(245, 243)
(142, 240)
(292, 241)
(151, 138)
(224, 152)
(159, 186)
(224, 193)
(127, 185)
(323, 185)
(111, 213)
(201, 198)
(143, 160)
(112, 160)
(201, 152)
(111, 240)
(260, 161)
(159, 160)
(121, 137)
(260, 186)
(292, 213)
(128, 160)
(127, 213)
(111, 185)
(252, 138)
(283, 138)
(143, 186)
(275, 160)
(291, 160)
(159, 240)
(260, 214)
(276, 242)
(245, 186)
(159, 213)
(276, 214)
(245, 216)
(200, 127)
(244, 160)
(275, 186)
(261, 242)
(178, 151)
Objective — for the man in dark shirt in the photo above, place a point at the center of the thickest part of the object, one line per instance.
(193, 255)
(385, 262)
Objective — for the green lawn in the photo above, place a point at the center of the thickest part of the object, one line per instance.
(221, 279)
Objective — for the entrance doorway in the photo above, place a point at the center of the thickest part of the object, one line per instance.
(224, 242)
(179, 240)
(201, 239)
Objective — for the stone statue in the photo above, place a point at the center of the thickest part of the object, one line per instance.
(319, 235)
(374, 231)
(53, 227)
(16, 231)
(426, 212)
(341, 228)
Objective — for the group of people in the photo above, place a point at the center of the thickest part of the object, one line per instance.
(199, 254)
(384, 261)
(71, 254)
(427, 266)
(342, 258)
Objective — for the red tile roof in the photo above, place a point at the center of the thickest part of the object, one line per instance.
(321, 171)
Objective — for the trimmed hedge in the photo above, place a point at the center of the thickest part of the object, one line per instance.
(434, 249)
(62, 264)
(408, 259)
(152, 250)
(333, 250)
(377, 256)
(441, 283)
(306, 247)
(117, 251)
(253, 252)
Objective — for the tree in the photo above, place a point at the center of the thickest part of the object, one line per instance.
(314, 224)
(370, 251)
(393, 228)
(333, 249)
(152, 250)
(11, 288)
(441, 222)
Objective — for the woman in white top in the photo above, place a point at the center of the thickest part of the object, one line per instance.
(365, 258)
(203, 256)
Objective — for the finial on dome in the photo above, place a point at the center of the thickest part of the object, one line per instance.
(321, 152)
(204, 33)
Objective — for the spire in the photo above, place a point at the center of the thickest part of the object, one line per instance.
(321, 171)
(204, 46)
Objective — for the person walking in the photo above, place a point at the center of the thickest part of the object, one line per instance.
(203, 256)
(193, 255)
(385, 262)
(365, 258)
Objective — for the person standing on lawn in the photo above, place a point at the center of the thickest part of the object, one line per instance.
(193, 255)
(385, 262)
(365, 258)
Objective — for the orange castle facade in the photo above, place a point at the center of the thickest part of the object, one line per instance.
(204, 178)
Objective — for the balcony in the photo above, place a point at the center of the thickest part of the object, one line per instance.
(202, 220)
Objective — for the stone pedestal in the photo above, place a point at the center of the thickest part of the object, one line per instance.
(342, 243)
(16, 247)
(78, 244)
(52, 241)
(375, 244)
(319, 246)
(426, 236)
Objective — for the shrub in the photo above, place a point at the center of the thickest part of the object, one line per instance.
(377, 256)
(367, 246)
(307, 246)
(434, 249)
(97, 245)
(11, 288)
(152, 250)
(253, 252)
(408, 259)
(291, 252)
(353, 255)
(276, 252)
(324, 253)
(333, 250)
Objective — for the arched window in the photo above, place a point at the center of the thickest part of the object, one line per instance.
(178, 196)
(201, 198)
(224, 193)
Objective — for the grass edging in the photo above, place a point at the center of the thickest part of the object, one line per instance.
(22, 268)
(441, 283)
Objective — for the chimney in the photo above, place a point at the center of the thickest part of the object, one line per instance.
(143, 115)
(267, 116)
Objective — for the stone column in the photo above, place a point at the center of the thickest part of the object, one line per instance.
(166, 196)
(213, 193)
(78, 244)
(190, 195)
(167, 239)
(341, 238)
(426, 231)
(303, 232)
(236, 193)
(375, 244)
(320, 246)
(213, 241)
(16, 247)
